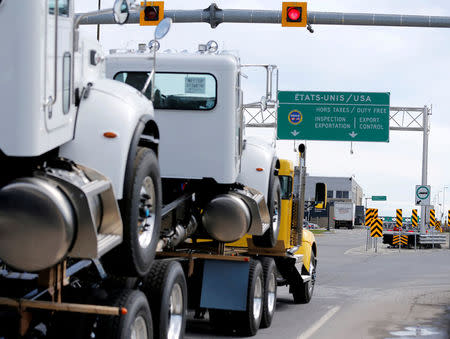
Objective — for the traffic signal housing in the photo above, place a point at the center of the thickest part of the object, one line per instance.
(294, 14)
(151, 14)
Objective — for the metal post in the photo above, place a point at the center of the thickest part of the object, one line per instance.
(432, 234)
(98, 26)
(302, 161)
(368, 237)
(443, 205)
(424, 165)
(328, 213)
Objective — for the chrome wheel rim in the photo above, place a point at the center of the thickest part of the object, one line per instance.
(147, 207)
(312, 269)
(275, 216)
(257, 298)
(139, 329)
(271, 293)
(175, 312)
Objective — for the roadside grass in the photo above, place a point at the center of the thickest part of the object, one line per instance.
(318, 231)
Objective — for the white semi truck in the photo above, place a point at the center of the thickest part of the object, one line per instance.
(80, 190)
(219, 184)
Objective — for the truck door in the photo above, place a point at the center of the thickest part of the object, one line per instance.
(58, 85)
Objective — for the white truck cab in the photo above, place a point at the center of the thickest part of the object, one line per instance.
(69, 139)
(193, 102)
(198, 101)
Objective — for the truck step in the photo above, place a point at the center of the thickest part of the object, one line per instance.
(96, 187)
(107, 242)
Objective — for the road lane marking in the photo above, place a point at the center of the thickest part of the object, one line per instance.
(327, 316)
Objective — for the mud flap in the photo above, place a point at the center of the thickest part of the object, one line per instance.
(224, 285)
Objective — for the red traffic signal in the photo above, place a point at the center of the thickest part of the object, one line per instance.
(152, 15)
(294, 14)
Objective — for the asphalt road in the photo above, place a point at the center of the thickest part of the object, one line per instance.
(361, 294)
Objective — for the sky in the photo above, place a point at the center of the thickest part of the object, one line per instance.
(413, 64)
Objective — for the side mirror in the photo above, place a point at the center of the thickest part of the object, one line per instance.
(121, 11)
(321, 195)
(163, 28)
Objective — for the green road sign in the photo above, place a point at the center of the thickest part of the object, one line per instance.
(343, 116)
(379, 198)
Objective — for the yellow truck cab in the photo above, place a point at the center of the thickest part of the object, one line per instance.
(296, 251)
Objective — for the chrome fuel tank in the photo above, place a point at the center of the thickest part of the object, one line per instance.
(37, 224)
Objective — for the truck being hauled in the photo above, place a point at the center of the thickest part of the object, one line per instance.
(216, 181)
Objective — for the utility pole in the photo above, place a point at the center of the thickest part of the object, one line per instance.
(98, 26)
(302, 167)
(426, 131)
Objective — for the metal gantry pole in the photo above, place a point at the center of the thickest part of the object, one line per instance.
(424, 165)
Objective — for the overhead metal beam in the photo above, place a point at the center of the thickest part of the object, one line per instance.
(214, 16)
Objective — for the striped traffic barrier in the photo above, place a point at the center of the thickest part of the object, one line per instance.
(432, 218)
(399, 219)
(404, 240)
(376, 229)
(369, 216)
(395, 239)
(414, 218)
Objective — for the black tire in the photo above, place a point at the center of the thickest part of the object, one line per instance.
(303, 291)
(248, 322)
(269, 239)
(121, 327)
(270, 291)
(134, 257)
(166, 289)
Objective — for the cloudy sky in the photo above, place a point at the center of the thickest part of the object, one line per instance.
(413, 64)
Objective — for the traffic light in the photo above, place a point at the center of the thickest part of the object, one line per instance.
(151, 14)
(294, 14)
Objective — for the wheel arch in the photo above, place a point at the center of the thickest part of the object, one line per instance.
(146, 134)
(150, 134)
(259, 167)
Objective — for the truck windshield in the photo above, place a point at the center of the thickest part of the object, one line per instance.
(63, 7)
(286, 186)
(177, 91)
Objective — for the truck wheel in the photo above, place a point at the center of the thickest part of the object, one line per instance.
(248, 322)
(269, 239)
(141, 215)
(137, 323)
(270, 291)
(303, 292)
(166, 289)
